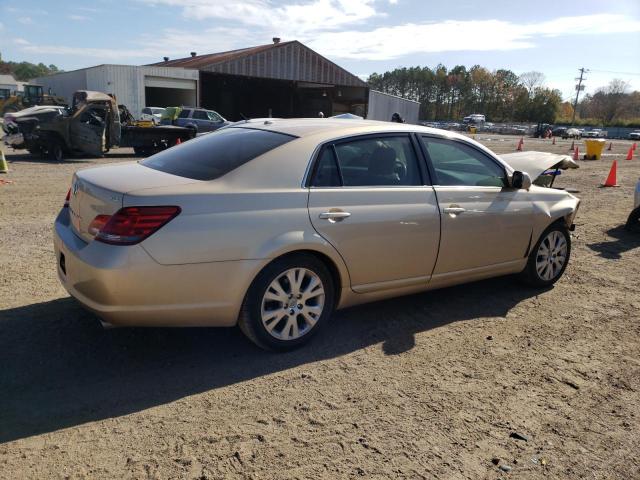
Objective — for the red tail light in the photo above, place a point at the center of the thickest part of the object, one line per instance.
(66, 199)
(98, 224)
(131, 225)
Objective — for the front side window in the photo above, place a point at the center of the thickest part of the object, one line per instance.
(214, 117)
(184, 113)
(457, 164)
(213, 155)
(370, 161)
(146, 110)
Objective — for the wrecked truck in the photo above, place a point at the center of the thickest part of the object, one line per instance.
(93, 125)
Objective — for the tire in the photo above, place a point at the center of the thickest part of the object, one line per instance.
(287, 324)
(633, 222)
(544, 269)
(140, 151)
(54, 149)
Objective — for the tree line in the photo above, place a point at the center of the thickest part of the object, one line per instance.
(501, 95)
(24, 71)
(613, 105)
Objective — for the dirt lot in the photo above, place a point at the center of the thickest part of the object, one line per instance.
(427, 386)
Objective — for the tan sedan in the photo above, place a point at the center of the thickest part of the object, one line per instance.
(272, 224)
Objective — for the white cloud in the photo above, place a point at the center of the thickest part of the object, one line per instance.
(386, 43)
(336, 28)
(78, 18)
(25, 20)
(20, 41)
(292, 19)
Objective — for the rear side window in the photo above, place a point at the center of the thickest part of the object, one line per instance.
(200, 115)
(184, 113)
(146, 110)
(371, 161)
(213, 155)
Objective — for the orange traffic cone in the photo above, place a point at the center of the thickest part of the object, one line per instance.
(554, 141)
(630, 154)
(520, 143)
(178, 141)
(634, 146)
(573, 145)
(610, 146)
(576, 154)
(611, 178)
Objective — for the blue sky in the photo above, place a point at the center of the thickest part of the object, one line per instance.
(364, 36)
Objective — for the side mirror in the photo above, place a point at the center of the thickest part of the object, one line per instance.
(521, 180)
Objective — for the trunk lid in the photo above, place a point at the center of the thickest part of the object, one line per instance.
(100, 191)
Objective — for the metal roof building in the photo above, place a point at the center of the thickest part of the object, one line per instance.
(281, 79)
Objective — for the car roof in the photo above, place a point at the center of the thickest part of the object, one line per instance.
(333, 127)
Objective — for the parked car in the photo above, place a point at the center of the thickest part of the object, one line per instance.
(635, 135)
(633, 222)
(152, 113)
(594, 133)
(198, 119)
(273, 224)
(572, 133)
(558, 131)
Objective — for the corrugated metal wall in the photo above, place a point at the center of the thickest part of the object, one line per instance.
(64, 84)
(126, 82)
(293, 61)
(382, 106)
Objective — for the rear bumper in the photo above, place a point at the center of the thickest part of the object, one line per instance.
(125, 286)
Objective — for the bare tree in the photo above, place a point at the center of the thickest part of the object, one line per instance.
(608, 102)
(532, 80)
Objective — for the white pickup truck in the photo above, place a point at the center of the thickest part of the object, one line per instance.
(595, 133)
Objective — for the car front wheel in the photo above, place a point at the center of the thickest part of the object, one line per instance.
(549, 257)
(288, 302)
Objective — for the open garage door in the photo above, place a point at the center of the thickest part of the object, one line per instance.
(169, 92)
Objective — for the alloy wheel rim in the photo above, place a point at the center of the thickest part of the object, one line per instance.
(292, 304)
(552, 255)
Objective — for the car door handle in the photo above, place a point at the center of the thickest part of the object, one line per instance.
(453, 210)
(335, 216)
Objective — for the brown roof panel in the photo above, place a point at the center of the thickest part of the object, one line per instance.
(212, 58)
(284, 61)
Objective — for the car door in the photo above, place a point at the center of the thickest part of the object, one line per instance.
(368, 197)
(87, 130)
(215, 120)
(201, 119)
(484, 223)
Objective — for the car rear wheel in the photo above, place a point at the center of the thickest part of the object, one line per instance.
(549, 257)
(633, 222)
(288, 302)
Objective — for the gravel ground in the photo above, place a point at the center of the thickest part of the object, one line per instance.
(427, 386)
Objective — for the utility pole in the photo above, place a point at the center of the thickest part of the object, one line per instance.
(579, 87)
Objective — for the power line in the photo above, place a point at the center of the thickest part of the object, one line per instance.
(617, 73)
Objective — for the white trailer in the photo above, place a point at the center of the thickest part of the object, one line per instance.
(383, 105)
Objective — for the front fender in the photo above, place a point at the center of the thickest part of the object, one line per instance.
(548, 210)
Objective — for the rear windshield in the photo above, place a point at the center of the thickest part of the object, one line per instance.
(215, 154)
